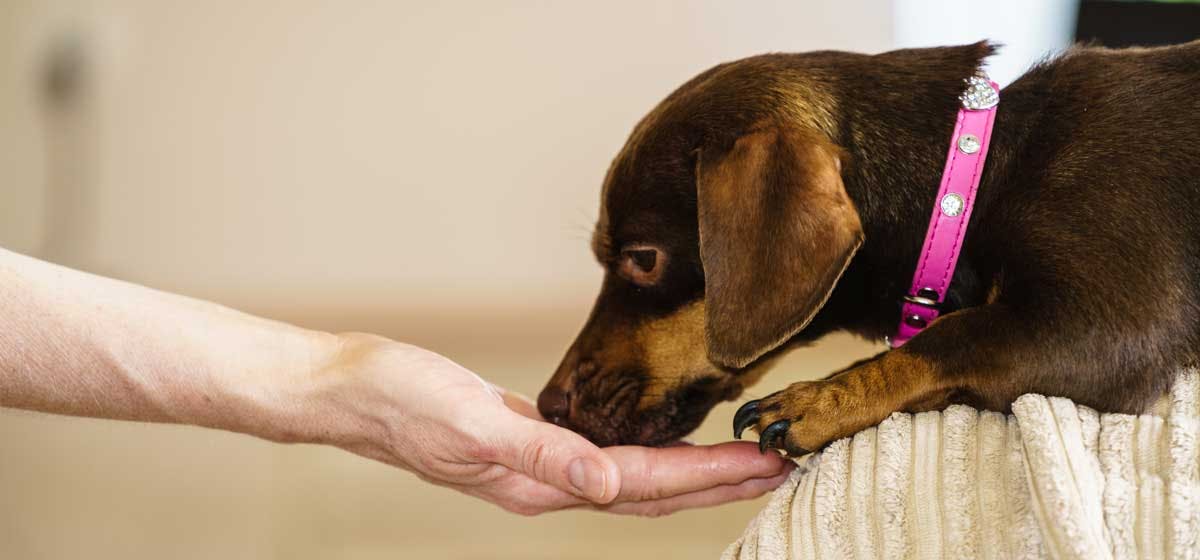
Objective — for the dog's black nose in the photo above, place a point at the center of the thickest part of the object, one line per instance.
(555, 405)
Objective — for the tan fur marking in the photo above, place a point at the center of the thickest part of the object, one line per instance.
(673, 352)
(822, 411)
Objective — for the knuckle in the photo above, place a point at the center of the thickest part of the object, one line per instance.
(524, 507)
(650, 490)
(655, 510)
(524, 510)
(716, 464)
(535, 457)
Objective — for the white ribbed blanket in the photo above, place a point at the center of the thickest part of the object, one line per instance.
(1053, 480)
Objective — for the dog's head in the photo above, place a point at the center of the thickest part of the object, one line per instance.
(723, 227)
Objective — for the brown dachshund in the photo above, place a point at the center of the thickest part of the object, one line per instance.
(775, 199)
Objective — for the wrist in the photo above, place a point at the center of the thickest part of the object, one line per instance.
(282, 401)
(332, 399)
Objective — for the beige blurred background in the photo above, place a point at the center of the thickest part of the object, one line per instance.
(428, 171)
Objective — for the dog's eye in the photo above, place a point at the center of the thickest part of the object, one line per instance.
(642, 264)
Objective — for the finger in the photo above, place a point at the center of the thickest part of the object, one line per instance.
(518, 402)
(555, 456)
(520, 494)
(746, 490)
(521, 405)
(654, 473)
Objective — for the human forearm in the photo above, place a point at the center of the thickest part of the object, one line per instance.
(75, 343)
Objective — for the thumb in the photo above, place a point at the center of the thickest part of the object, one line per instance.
(558, 457)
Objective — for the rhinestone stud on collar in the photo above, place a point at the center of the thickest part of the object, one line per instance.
(953, 204)
(979, 93)
(969, 144)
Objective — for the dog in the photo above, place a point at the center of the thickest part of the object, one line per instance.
(775, 199)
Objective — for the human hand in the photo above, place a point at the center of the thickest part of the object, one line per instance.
(419, 411)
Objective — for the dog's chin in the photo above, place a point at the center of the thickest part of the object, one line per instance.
(658, 426)
(662, 433)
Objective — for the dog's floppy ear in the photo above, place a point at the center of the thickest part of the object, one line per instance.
(776, 232)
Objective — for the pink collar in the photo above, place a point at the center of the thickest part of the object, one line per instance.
(948, 225)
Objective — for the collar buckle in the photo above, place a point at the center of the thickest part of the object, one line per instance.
(922, 301)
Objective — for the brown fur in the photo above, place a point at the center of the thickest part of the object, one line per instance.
(778, 190)
(791, 193)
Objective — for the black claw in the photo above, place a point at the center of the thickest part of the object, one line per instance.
(772, 433)
(746, 415)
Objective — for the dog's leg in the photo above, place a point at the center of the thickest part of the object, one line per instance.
(807, 415)
(985, 356)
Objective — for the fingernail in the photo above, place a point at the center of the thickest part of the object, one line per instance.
(588, 478)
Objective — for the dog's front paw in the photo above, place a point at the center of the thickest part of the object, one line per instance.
(801, 418)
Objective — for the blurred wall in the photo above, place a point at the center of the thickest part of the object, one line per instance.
(1029, 31)
(410, 153)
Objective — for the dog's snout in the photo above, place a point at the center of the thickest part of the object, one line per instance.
(554, 403)
(584, 370)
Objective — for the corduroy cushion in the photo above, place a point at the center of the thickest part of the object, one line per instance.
(1053, 480)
